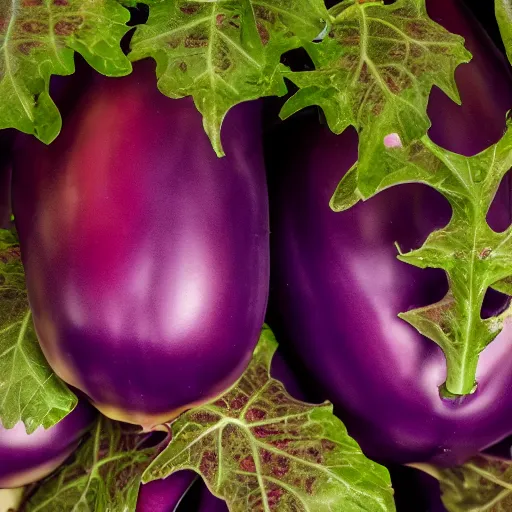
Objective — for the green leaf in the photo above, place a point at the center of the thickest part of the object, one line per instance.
(259, 449)
(472, 254)
(483, 484)
(504, 17)
(374, 71)
(38, 39)
(29, 390)
(224, 52)
(104, 475)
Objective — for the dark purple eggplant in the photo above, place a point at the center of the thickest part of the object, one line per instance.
(165, 495)
(209, 503)
(337, 286)
(146, 256)
(27, 458)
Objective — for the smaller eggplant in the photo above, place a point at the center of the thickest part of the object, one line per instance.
(210, 503)
(165, 495)
(25, 458)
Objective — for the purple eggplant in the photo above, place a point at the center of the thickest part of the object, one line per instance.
(210, 503)
(146, 256)
(165, 495)
(27, 458)
(337, 286)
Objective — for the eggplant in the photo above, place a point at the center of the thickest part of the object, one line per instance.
(146, 256)
(210, 503)
(337, 286)
(27, 458)
(165, 495)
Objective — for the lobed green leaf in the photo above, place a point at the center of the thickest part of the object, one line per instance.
(104, 475)
(374, 70)
(38, 39)
(482, 484)
(224, 52)
(259, 449)
(473, 255)
(29, 390)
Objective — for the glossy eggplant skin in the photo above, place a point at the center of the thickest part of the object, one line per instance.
(337, 286)
(27, 458)
(210, 503)
(165, 495)
(147, 257)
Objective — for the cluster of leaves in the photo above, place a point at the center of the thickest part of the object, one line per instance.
(38, 39)
(104, 474)
(255, 447)
(375, 58)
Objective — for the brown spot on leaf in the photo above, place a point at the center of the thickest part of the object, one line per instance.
(391, 80)
(310, 480)
(124, 478)
(248, 464)
(204, 417)
(209, 464)
(351, 37)
(61, 3)
(263, 32)
(27, 46)
(365, 76)
(34, 27)
(274, 497)
(377, 109)
(174, 42)
(415, 50)
(238, 402)
(31, 3)
(397, 52)
(265, 456)
(280, 466)
(68, 26)
(265, 431)
(327, 445)
(196, 41)
(255, 414)
(189, 9)
(281, 444)
(183, 67)
(264, 14)
(219, 19)
(439, 49)
(348, 61)
(220, 403)
(416, 29)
